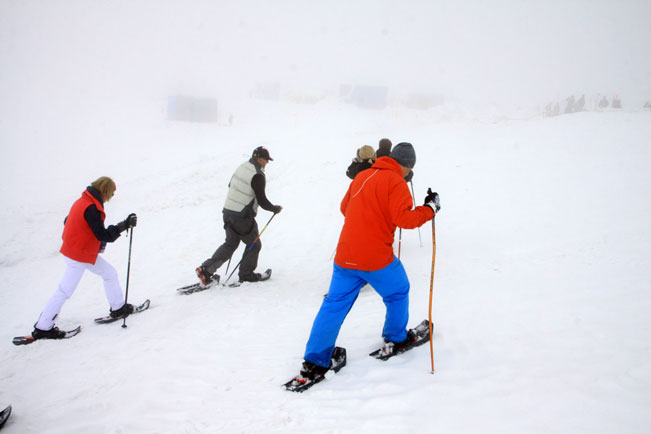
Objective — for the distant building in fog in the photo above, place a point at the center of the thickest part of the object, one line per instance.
(365, 96)
(617, 103)
(569, 106)
(191, 109)
(603, 102)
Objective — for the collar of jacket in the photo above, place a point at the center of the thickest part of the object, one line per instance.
(387, 163)
(257, 166)
(95, 193)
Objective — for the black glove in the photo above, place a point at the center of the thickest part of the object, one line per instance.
(409, 176)
(277, 209)
(132, 220)
(432, 200)
(129, 222)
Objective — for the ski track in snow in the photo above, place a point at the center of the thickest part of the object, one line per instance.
(541, 293)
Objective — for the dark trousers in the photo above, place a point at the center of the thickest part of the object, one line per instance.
(237, 229)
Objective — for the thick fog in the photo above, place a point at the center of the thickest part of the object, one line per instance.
(75, 55)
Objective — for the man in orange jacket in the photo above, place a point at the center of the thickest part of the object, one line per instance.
(377, 201)
(84, 238)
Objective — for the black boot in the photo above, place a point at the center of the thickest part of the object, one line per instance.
(204, 276)
(53, 333)
(310, 371)
(398, 347)
(253, 277)
(122, 312)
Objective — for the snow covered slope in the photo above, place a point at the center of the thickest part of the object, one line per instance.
(542, 292)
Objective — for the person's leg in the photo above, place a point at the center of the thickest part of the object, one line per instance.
(71, 277)
(223, 252)
(251, 254)
(344, 289)
(111, 283)
(392, 284)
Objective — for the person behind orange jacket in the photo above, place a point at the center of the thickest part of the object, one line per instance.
(364, 159)
(84, 238)
(377, 201)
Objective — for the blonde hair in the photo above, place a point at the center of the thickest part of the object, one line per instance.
(105, 186)
(366, 153)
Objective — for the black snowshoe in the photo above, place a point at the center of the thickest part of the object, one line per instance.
(53, 333)
(111, 318)
(198, 287)
(4, 415)
(415, 337)
(253, 277)
(312, 374)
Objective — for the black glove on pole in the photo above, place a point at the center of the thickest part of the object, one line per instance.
(432, 200)
(129, 222)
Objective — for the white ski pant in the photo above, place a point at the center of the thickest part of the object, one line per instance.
(69, 282)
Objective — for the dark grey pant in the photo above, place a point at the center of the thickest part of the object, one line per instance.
(237, 229)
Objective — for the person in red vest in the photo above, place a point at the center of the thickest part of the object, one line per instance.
(84, 238)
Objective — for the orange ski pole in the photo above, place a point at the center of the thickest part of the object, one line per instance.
(431, 289)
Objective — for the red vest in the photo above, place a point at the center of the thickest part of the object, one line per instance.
(79, 242)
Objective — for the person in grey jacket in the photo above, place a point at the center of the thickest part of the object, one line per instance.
(246, 191)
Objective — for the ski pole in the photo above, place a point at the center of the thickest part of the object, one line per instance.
(431, 287)
(126, 296)
(399, 241)
(420, 240)
(249, 248)
(229, 264)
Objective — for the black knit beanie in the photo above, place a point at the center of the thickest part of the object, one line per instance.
(404, 154)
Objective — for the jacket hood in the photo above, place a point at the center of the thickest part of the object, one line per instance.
(387, 163)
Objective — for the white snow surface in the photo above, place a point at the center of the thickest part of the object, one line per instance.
(542, 286)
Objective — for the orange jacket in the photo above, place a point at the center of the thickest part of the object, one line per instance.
(79, 242)
(377, 201)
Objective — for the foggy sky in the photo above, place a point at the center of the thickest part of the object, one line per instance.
(514, 51)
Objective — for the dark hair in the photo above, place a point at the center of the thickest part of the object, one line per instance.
(262, 152)
(386, 144)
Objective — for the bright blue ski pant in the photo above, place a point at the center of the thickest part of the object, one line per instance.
(390, 282)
